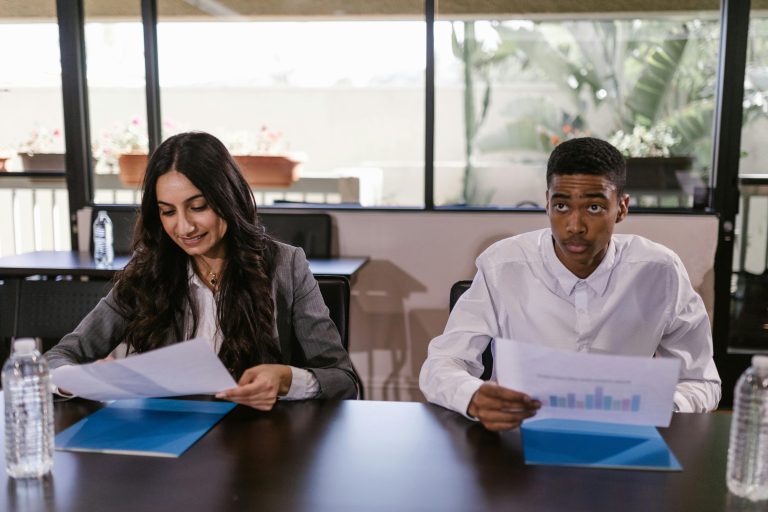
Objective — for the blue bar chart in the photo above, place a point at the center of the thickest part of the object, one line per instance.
(596, 401)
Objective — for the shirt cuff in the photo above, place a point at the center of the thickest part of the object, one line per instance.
(464, 394)
(304, 385)
(55, 389)
(681, 403)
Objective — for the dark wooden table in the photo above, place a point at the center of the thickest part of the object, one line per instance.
(54, 263)
(373, 456)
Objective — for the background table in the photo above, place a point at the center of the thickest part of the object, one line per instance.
(373, 456)
(54, 263)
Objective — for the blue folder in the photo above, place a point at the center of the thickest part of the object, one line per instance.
(151, 426)
(596, 444)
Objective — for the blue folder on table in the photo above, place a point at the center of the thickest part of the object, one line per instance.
(596, 444)
(150, 426)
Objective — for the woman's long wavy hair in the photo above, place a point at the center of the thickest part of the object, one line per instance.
(153, 289)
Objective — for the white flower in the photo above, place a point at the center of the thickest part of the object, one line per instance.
(642, 142)
(42, 140)
(121, 139)
(266, 142)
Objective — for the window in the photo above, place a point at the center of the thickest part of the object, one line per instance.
(748, 281)
(35, 217)
(510, 88)
(339, 97)
(114, 41)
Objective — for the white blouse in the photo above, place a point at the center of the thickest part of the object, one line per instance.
(303, 383)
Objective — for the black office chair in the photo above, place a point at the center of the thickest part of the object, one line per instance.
(335, 291)
(123, 218)
(8, 297)
(310, 231)
(50, 309)
(458, 288)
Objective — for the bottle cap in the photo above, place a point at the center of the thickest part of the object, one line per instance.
(760, 363)
(24, 346)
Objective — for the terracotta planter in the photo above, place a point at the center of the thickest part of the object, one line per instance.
(656, 173)
(132, 168)
(2, 164)
(268, 170)
(43, 162)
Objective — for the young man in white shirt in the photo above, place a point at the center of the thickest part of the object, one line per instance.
(573, 286)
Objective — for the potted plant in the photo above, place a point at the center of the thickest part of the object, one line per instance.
(650, 162)
(123, 150)
(5, 155)
(264, 158)
(42, 150)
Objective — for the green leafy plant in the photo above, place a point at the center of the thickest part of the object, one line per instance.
(618, 75)
(477, 64)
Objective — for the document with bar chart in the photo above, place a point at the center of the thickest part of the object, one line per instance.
(591, 387)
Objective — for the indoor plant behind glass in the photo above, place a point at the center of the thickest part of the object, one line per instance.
(264, 158)
(123, 150)
(42, 150)
(650, 162)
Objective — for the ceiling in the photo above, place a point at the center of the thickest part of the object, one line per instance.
(45, 10)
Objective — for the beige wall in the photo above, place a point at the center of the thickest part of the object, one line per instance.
(400, 299)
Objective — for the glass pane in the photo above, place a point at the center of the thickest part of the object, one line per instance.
(510, 88)
(114, 40)
(749, 321)
(334, 101)
(34, 209)
(30, 95)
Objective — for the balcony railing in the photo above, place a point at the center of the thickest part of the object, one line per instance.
(34, 207)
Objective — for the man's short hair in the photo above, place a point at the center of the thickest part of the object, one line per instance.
(588, 155)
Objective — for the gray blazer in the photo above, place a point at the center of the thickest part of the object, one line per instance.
(306, 335)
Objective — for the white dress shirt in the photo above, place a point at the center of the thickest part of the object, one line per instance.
(304, 385)
(638, 302)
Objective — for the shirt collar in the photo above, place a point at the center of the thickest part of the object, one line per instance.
(597, 280)
(194, 279)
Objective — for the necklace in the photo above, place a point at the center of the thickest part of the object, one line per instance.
(211, 276)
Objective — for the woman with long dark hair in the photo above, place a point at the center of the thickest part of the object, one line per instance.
(203, 266)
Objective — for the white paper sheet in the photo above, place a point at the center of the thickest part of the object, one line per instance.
(187, 368)
(593, 387)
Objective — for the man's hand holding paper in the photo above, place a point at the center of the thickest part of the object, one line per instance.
(499, 408)
(595, 387)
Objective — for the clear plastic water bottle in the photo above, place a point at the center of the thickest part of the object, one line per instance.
(747, 473)
(28, 412)
(103, 246)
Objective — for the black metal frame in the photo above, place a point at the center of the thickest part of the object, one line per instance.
(152, 73)
(429, 118)
(734, 36)
(74, 90)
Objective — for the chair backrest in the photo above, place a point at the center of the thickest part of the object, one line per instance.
(50, 309)
(123, 218)
(458, 288)
(310, 231)
(9, 292)
(335, 291)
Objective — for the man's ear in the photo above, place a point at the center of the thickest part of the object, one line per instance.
(623, 208)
